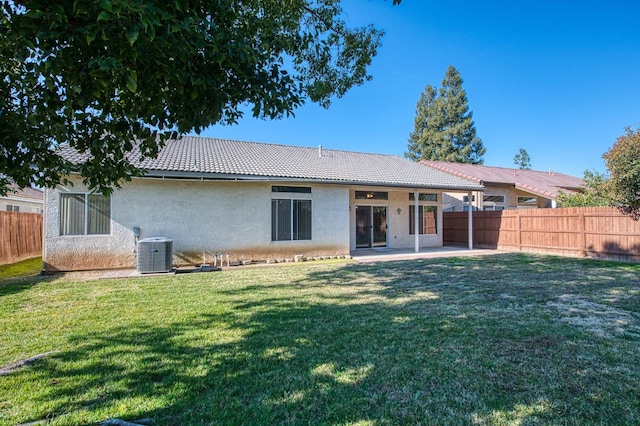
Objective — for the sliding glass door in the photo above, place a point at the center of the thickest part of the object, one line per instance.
(371, 226)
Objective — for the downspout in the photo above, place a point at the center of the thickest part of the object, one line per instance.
(470, 220)
(416, 222)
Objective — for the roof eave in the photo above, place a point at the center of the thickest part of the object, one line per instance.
(490, 183)
(172, 174)
(536, 191)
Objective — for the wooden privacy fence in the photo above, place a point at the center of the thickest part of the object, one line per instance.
(20, 236)
(601, 232)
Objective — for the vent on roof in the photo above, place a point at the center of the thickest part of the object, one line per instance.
(155, 255)
(320, 151)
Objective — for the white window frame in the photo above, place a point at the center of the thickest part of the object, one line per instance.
(292, 196)
(493, 202)
(421, 206)
(85, 212)
(531, 197)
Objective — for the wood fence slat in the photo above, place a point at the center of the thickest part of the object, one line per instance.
(20, 236)
(601, 232)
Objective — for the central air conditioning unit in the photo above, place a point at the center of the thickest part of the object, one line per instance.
(155, 255)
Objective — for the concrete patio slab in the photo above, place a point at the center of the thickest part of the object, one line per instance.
(388, 255)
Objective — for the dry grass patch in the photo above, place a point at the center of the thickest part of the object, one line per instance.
(601, 319)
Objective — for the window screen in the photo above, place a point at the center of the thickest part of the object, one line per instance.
(82, 214)
(493, 198)
(423, 197)
(290, 219)
(427, 220)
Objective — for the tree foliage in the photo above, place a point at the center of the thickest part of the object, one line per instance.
(623, 164)
(621, 187)
(104, 76)
(443, 126)
(593, 194)
(522, 160)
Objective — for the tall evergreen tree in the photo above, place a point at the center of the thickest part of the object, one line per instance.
(425, 126)
(522, 160)
(443, 127)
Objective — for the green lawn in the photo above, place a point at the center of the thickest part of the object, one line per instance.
(26, 268)
(504, 339)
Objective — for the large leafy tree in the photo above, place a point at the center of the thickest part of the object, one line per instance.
(620, 187)
(109, 76)
(443, 126)
(593, 192)
(623, 164)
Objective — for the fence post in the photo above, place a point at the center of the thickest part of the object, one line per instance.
(607, 233)
(518, 230)
(582, 240)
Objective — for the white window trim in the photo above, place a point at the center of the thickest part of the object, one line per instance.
(86, 216)
(491, 202)
(292, 199)
(428, 204)
(535, 198)
(303, 196)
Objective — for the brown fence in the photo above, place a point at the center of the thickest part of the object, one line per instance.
(20, 236)
(601, 232)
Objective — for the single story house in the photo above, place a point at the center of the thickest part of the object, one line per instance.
(251, 201)
(505, 188)
(26, 200)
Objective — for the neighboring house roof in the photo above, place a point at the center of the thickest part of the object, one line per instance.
(25, 194)
(210, 158)
(547, 184)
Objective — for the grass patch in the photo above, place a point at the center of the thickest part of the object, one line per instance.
(25, 268)
(505, 339)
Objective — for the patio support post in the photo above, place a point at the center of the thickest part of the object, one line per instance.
(470, 219)
(416, 221)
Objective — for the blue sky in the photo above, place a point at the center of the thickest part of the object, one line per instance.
(560, 79)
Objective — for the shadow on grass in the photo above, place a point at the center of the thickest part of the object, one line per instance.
(11, 286)
(451, 341)
(20, 276)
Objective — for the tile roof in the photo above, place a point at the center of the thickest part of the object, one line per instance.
(28, 193)
(547, 184)
(192, 156)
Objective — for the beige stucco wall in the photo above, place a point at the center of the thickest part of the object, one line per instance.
(25, 205)
(202, 217)
(398, 236)
(79, 252)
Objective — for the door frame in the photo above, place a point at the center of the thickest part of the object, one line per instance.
(372, 244)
